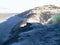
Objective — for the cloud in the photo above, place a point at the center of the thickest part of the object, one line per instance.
(22, 5)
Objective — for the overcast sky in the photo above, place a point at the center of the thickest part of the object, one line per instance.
(18, 6)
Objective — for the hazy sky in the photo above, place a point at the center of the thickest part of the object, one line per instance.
(16, 6)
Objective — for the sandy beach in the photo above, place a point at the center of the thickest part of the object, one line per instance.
(4, 16)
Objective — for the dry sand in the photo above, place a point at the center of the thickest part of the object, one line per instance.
(4, 16)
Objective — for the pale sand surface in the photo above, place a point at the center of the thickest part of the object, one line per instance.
(4, 16)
